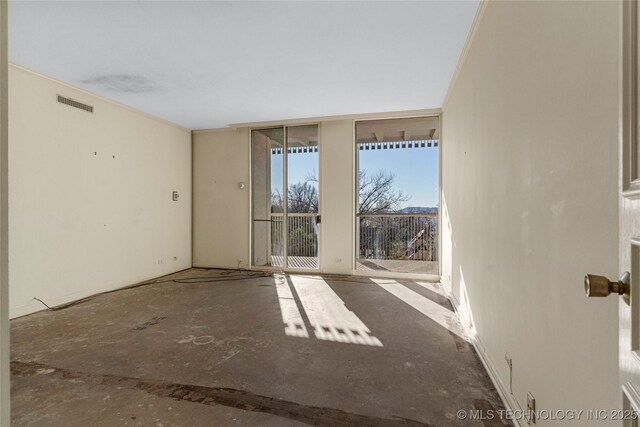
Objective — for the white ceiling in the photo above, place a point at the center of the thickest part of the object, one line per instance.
(209, 64)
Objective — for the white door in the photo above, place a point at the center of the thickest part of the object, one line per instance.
(629, 284)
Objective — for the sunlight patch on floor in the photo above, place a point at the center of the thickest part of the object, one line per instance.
(434, 311)
(330, 318)
(294, 325)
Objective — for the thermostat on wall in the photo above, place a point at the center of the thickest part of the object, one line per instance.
(175, 196)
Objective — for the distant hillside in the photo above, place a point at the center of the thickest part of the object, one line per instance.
(417, 210)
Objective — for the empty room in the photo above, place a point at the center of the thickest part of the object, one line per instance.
(328, 213)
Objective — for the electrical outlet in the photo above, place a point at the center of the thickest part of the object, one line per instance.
(337, 260)
(531, 409)
(160, 261)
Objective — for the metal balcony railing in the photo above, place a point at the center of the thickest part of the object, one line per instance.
(397, 236)
(395, 239)
(303, 234)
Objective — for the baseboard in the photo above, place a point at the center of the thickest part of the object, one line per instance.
(509, 401)
(220, 267)
(34, 306)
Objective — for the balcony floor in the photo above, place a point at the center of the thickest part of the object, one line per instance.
(305, 262)
(396, 266)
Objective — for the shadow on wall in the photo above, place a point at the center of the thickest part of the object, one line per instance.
(453, 283)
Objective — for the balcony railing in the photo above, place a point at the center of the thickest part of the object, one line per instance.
(391, 241)
(396, 236)
(303, 234)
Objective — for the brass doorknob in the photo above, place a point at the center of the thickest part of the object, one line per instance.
(600, 286)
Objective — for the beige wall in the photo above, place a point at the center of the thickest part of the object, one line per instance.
(220, 207)
(336, 197)
(221, 210)
(82, 223)
(530, 197)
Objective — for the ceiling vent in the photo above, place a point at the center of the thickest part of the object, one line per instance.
(76, 104)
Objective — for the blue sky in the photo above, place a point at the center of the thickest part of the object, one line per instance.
(416, 171)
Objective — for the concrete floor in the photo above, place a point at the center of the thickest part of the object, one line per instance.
(210, 347)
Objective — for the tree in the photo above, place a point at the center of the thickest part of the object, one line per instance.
(377, 194)
(380, 237)
(276, 202)
(302, 197)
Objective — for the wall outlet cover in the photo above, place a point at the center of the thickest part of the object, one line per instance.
(531, 409)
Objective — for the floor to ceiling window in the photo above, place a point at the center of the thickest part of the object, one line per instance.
(397, 195)
(285, 222)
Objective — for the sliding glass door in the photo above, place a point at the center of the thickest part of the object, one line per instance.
(398, 195)
(285, 197)
(267, 187)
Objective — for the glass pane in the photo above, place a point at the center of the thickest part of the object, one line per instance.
(398, 195)
(267, 178)
(302, 196)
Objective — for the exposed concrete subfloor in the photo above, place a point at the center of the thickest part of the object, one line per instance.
(211, 347)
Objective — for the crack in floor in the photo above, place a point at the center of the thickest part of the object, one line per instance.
(240, 399)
